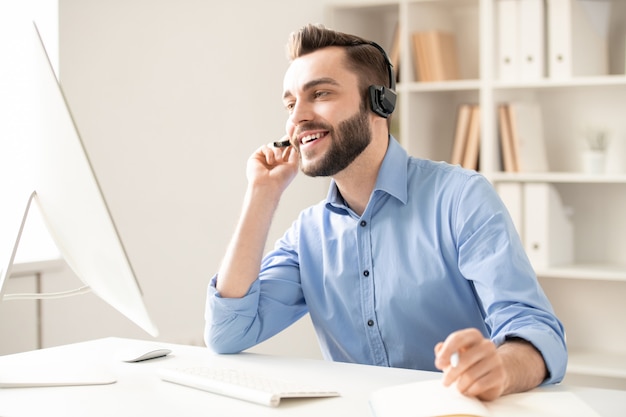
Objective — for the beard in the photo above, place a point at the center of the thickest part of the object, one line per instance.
(348, 141)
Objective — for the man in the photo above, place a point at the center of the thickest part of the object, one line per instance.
(408, 262)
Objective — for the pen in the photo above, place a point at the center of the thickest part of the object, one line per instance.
(454, 359)
(282, 144)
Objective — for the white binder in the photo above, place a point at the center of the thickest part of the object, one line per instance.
(531, 33)
(548, 230)
(511, 195)
(507, 38)
(577, 37)
(529, 148)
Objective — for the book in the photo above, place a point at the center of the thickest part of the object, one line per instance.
(472, 148)
(430, 398)
(460, 134)
(394, 52)
(509, 159)
(435, 56)
(420, 59)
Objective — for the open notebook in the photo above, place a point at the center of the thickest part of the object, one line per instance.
(431, 399)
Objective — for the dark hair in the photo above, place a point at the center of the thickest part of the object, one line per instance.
(361, 57)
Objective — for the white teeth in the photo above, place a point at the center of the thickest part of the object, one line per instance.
(310, 138)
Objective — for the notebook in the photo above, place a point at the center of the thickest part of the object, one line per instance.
(431, 399)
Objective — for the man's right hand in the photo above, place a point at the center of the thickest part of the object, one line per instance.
(272, 166)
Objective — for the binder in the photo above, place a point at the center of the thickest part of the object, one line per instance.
(547, 229)
(577, 37)
(507, 36)
(511, 194)
(531, 35)
(528, 144)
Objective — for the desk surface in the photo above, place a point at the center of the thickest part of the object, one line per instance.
(139, 391)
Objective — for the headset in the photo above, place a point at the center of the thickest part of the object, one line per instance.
(383, 99)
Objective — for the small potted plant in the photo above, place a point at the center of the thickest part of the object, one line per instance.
(594, 154)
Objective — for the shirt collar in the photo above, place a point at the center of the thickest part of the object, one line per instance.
(392, 178)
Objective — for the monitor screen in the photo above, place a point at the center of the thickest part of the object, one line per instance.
(70, 200)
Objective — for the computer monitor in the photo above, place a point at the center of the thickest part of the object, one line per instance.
(70, 200)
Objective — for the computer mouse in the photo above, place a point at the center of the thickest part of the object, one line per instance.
(144, 353)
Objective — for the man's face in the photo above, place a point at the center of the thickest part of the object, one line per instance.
(328, 123)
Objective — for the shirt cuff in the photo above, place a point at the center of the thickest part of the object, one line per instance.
(551, 348)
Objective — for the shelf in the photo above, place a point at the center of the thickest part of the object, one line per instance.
(29, 268)
(592, 272)
(598, 81)
(457, 85)
(588, 293)
(558, 177)
(597, 364)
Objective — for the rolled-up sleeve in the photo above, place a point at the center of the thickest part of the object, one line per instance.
(492, 256)
(273, 302)
(228, 319)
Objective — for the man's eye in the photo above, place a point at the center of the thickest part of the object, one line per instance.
(319, 94)
(289, 106)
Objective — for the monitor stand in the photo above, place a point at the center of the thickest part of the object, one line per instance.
(24, 370)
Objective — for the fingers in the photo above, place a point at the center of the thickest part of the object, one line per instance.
(458, 342)
(471, 361)
(271, 165)
(278, 151)
(270, 154)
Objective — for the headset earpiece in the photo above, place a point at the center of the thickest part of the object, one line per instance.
(383, 99)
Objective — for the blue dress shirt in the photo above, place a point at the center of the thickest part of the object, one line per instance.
(435, 251)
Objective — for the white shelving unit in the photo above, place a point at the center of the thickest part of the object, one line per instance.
(588, 294)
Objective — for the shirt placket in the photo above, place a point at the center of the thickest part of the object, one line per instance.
(370, 323)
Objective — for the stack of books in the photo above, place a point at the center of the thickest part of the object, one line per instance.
(522, 143)
(435, 56)
(521, 137)
(467, 137)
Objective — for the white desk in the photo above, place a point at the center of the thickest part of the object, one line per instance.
(139, 392)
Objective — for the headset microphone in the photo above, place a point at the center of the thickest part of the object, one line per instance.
(383, 99)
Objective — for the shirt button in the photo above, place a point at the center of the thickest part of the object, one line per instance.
(366, 273)
(370, 323)
(363, 223)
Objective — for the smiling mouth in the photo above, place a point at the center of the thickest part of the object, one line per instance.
(313, 137)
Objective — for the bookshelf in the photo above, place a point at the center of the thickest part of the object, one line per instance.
(589, 290)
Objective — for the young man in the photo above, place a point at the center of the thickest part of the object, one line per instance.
(407, 263)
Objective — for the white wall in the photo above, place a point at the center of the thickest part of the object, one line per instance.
(171, 97)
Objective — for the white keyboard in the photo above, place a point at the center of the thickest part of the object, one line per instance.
(241, 384)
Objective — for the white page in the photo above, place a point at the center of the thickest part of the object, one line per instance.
(431, 399)
(424, 399)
